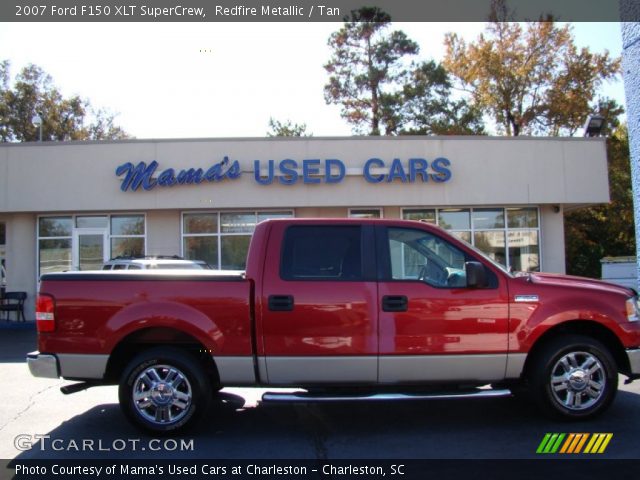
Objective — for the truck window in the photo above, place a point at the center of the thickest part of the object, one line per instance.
(419, 255)
(322, 253)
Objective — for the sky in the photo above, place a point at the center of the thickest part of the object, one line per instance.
(194, 80)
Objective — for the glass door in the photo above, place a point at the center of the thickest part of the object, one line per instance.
(90, 248)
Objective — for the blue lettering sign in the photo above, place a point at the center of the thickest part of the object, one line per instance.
(418, 167)
(141, 175)
(372, 163)
(396, 171)
(309, 171)
(134, 177)
(190, 176)
(442, 173)
(167, 178)
(328, 167)
(288, 170)
(417, 170)
(270, 173)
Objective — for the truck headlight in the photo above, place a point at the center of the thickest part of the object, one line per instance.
(633, 309)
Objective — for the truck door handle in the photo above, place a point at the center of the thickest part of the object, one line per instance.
(281, 303)
(395, 303)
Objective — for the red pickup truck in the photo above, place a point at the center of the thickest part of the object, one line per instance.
(344, 309)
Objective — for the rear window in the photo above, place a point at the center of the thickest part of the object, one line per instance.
(322, 253)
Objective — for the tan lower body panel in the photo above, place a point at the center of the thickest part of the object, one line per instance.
(351, 370)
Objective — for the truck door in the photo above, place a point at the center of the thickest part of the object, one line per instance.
(318, 309)
(432, 326)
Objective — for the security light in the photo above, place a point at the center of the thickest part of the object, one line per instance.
(594, 126)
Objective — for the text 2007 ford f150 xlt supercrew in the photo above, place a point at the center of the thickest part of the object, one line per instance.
(341, 308)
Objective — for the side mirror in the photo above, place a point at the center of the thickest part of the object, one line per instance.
(476, 275)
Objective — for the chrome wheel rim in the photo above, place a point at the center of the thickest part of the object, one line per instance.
(162, 394)
(578, 380)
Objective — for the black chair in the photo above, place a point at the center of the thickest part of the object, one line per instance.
(14, 302)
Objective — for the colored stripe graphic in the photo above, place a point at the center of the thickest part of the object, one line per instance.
(550, 443)
(596, 443)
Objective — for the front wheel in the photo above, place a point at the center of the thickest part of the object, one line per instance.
(164, 390)
(574, 377)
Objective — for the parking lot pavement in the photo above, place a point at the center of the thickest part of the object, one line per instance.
(89, 425)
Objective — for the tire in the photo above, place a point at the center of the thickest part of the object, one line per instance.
(164, 390)
(573, 377)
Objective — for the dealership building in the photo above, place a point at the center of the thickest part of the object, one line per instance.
(74, 205)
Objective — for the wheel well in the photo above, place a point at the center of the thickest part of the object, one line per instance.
(587, 328)
(147, 338)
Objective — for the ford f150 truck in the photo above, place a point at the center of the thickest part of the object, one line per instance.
(344, 309)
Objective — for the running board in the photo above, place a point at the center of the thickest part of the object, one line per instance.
(275, 397)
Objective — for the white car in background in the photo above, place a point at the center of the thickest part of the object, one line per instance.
(155, 263)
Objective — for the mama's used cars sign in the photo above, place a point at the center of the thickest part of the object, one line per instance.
(285, 172)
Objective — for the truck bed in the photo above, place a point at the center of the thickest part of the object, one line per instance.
(96, 310)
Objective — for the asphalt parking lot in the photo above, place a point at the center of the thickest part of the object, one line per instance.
(38, 422)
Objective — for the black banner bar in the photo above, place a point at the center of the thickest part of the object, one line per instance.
(307, 10)
(584, 469)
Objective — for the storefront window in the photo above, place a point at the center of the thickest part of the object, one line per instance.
(267, 215)
(127, 236)
(237, 222)
(234, 251)
(492, 243)
(55, 226)
(200, 223)
(488, 218)
(221, 238)
(522, 217)
(465, 236)
(454, 219)
(127, 225)
(127, 247)
(54, 244)
(365, 213)
(421, 215)
(92, 221)
(202, 248)
(508, 235)
(55, 255)
(524, 251)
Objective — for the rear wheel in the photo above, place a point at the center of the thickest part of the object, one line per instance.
(574, 377)
(164, 390)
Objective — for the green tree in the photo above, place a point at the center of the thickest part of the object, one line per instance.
(63, 118)
(605, 230)
(287, 129)
(531, 78)
(367, 69)
(429, 109)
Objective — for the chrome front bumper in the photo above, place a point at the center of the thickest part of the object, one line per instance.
(41, 365)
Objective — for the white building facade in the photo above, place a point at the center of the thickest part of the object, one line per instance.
(74, 205)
